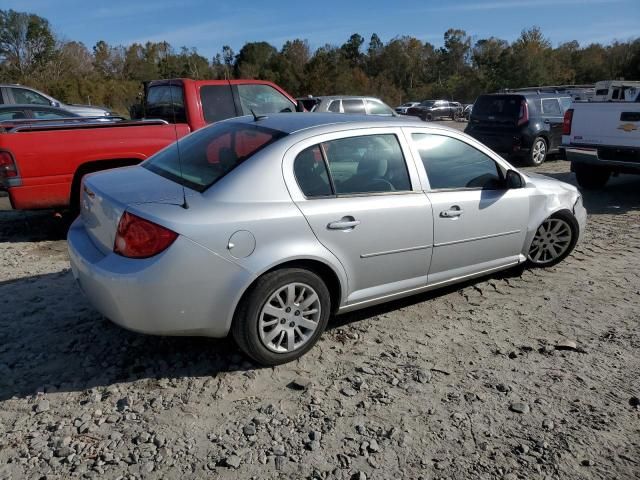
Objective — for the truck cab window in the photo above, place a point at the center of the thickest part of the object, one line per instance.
(166, 102)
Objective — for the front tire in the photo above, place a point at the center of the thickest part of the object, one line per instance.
(554, 240)
(282, 316)
(590, 177)
(538, 152)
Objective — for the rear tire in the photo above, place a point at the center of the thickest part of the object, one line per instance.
(538, 152)
(282, 316)
(591, 177)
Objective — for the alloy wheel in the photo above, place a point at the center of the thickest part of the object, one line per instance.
(551, 241)
(539, 151)
(289, 318)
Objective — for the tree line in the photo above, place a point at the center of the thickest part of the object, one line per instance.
(402, 69)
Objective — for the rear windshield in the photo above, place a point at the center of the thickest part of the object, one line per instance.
(204, 157)
(166, 102)
(497, 106)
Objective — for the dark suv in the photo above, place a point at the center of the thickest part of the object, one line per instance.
(525, 125)
(435, 109)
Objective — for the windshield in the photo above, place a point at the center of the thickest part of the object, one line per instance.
(428, 103)
(498, 107)
(204, 157)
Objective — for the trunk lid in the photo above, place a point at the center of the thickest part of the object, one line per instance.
(106, 195)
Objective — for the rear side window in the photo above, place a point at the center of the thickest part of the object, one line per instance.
(28, 97)
(217, 103)
(550, 106)
(500, 107)
(565, 103)
(334, 106)
(367, 164)
(453, 164)
(353, 106)
(11, 115)
(166, 102)
(311, 173)
(204, 157)
(263, 99)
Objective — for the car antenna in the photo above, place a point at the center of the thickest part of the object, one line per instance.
(257, 118)
(184, 205)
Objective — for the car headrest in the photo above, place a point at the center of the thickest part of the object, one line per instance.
(373, 164)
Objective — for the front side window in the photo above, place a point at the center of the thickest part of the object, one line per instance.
(263, 99)
(550, 106)
(367, 164)
(353, 106)
(204, 157)
(28, 97)
(217, 103)
(378, 108)
(49, 115)
(453, 164)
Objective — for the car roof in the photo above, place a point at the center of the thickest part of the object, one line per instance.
(346, 97)
(296, 122)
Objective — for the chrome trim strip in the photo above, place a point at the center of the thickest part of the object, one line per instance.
(425, 288)
(399, 250)
(493, 235)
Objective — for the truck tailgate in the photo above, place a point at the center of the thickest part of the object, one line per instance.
(608, 123)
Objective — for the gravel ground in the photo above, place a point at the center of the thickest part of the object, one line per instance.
(521, 375)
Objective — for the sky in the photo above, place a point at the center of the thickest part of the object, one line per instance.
(209, 24)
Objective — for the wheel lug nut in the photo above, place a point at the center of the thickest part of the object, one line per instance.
(292, 324)
(283, 321)
(288, 309)
(297, 312)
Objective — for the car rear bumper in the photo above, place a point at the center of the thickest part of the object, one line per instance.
(624, 160)
(508, 143)
(185, 290)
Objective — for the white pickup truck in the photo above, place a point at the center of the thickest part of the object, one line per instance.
(602, 139)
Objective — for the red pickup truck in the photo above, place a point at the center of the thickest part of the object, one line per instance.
(43, 162)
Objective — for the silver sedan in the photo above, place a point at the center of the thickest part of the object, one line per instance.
(264, 227)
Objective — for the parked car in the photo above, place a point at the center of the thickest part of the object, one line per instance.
(524, 126)
(292, 218)
(11, 94)
(353, 104)
(35, 112)
(602, 139)
(402, 109)
(308, 102)
(41, 165)
(436, 109)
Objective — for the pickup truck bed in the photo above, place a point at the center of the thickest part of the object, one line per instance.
(53, 158)
(601, 139)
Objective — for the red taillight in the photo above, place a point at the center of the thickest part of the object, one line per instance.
(140, 238)
(566, 123)
(524, 113)
(7, 165)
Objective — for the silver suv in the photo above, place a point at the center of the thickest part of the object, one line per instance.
(11, 94)
(353, 104)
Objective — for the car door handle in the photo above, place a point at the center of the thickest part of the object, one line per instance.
(547, 121)
(345, 223)
(453, 212)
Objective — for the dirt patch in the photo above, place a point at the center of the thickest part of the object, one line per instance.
(530, 375)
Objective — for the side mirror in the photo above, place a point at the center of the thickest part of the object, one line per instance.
(514, 180)
(54, 103)
(299, 106)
